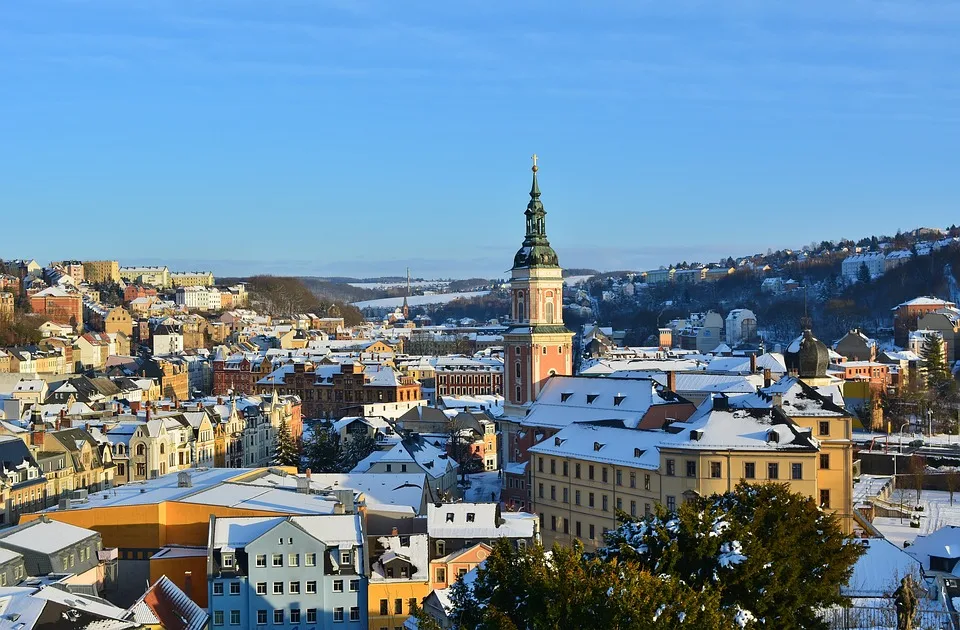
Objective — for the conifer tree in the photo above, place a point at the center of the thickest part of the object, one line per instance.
(288, 452)
(323, 452)
(934, 364)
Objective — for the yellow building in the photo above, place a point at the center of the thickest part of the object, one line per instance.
(95, 271)
(581, 476)
(191, 279)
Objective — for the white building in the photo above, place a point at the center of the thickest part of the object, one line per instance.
(199, 298)
(875, 262)
(741, 326)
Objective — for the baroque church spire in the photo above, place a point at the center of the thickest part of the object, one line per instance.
(536, 250)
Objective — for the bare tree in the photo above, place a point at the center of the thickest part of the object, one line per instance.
(953, 482)
(918, 469)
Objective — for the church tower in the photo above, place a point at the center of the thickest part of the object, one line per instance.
(537, 344)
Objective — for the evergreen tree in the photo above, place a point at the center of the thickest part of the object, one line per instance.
(288, 452)
(357, 449)
(863, 274)
(322, 451)
(934, 365)
(768, 551)
(539, 590)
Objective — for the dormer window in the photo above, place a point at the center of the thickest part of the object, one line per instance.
(637, 452)
(449, 517)
(565, 395)
(471, 517)
(597, 446)
(619, 398)
(558, 441)
(227, 561)
(345, 557)
(591, 398)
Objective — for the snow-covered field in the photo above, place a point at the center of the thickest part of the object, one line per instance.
(937, 512)
(572, 281)
(439, 284)
(419, 300)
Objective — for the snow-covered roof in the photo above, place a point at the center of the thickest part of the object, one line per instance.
(568, 399)
(477, 520)
(943, 543)
(46, 536)
(924, 301)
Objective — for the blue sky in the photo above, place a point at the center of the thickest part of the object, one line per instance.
(355, 138)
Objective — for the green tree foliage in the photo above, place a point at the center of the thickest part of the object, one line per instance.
(323, 452)
(765, 549)
(288, 451)
(21, 330)
(934, 365)
(863, 273)
(533, 589)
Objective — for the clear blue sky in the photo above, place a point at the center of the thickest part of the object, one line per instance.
(354, 137)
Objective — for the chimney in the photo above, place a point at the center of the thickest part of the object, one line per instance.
(135, 407)
(672, 381)
(60, 418)
(767, 377)
(86, 427)
(36, 438)
(753, 363)
(666, 338)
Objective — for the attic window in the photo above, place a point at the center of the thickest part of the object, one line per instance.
(773, 436)
(637, 452)
(618, 399)
(565, 395)
(471, 517)
(591, 398)
(597, 446)
(696, 434)
(449, 517)
(227, 560)
(558, 441)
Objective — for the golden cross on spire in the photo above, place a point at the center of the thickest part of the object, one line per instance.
(534, 158)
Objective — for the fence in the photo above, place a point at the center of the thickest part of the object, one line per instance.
(862, 618)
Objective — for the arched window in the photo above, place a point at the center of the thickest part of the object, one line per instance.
(518, 394)
(559, 349)
(141, 449)
(521, 306)
(162, 450)
(516, 368)
(548, 311)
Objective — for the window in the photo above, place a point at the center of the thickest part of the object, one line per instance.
(633, 508)
(824, 461)
(354, 586)
(566, 495)
(553, 493)
(278, 559)
(553, 523)
(646, 482)
(261, 617)
(796, 471)
(825, 498)
(824, 427)
(234, 588)
(294, 588)
(217, 588)
(441, 577)
(592, 531)
(773, 471)
(234, 617)
(619, 477)
(691, 469)
(311, 615)
(576, 497)
(604, 503)
(590, 472)
(603, 474)
(590, 499)
(553, 466)
(566, 469)
(261, 560)
(578, 529)
(293, 560)
(294, 615)
(671, 503)
(411, 604)
(218, 617)
(310, 559)
(311, 587)
(646, 509)
(540, 464)
(671, 468)
(540, 490)
(716, 470)
(338, 586)
(576, 470)
(278, 588)
(389, 467)
(346, 557)
(227, 561)
(566, 526)
(619, 503)
(338, 614)
(261, 588)
(354, 614)
(384, 607)
(633, 480)
(749, 470)
(278, 616)
(398, 606)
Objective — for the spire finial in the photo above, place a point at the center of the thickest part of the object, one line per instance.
(534, 157)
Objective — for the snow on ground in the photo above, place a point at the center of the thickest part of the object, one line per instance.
(401, 283)
(481, 485)
(937, 512)
(572, 281)
(419, 300)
